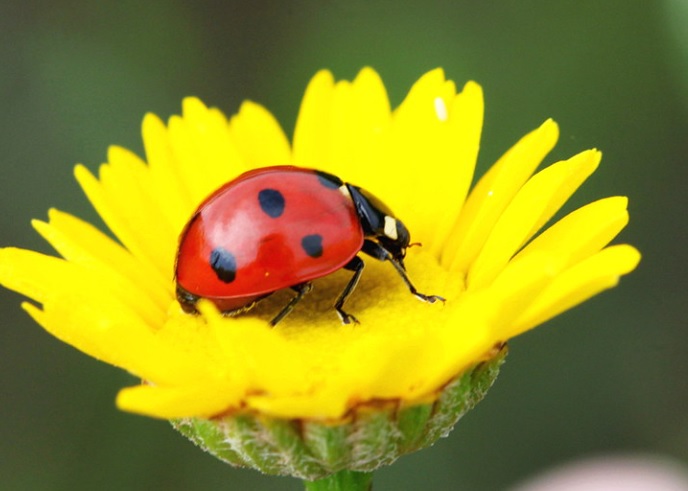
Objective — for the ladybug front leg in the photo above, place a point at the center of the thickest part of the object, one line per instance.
(300, 289)
(356, 265)
(187, 300)
(378, 252)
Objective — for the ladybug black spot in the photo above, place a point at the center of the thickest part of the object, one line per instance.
(224, 264)
(312, 244)
(328, 180)
(271, 202)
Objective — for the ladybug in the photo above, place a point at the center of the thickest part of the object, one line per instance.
(282, 227)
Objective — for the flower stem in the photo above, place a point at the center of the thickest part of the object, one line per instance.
(343, 481)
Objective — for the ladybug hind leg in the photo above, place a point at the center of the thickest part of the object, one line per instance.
(301, 289)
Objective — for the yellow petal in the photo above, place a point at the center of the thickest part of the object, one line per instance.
(166, 182)
(81, 243)
(32, 274)
(466, 122)
(119, 197)
(428, 357)
(411, 362)
(90, 311)
(259, 137)
(324, 405)
(200, 140)
(420, 134)
(199, 400)
(518, 285)
(272, 368)
(578, 283)
(492, 195)
(360, 116)
(582, 232)
(434, 154)
(420, 104)
(311, 144)
(115, 336)
(533, 205)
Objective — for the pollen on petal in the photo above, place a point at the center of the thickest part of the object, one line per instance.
(441, 109)
(464, 128)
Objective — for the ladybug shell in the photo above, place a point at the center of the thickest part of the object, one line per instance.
(268, 229)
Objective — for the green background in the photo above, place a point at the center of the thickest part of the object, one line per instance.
(607, 377)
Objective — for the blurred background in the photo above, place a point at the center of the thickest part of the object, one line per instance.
(607, 377)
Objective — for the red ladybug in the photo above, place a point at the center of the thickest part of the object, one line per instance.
(281, 227)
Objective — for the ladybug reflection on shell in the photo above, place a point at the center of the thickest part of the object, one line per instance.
(282, 227)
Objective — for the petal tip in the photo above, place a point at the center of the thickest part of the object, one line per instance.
(472, 87)
(634, 256)
(323, 76)
(151, 125)
(550, 127)
(192, 105)
(367, 72)
(81, 173)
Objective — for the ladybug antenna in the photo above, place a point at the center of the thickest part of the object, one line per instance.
(413, 244)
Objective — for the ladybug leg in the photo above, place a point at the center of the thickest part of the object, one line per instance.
(187, 300)
(300, 289)
(356, 265)
(378, 252)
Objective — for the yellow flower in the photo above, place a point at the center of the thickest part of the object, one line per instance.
(115, 301)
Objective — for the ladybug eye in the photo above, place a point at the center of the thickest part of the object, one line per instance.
(403, 235)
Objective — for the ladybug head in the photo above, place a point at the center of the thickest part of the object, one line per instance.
(378, 222)
(395, 238)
